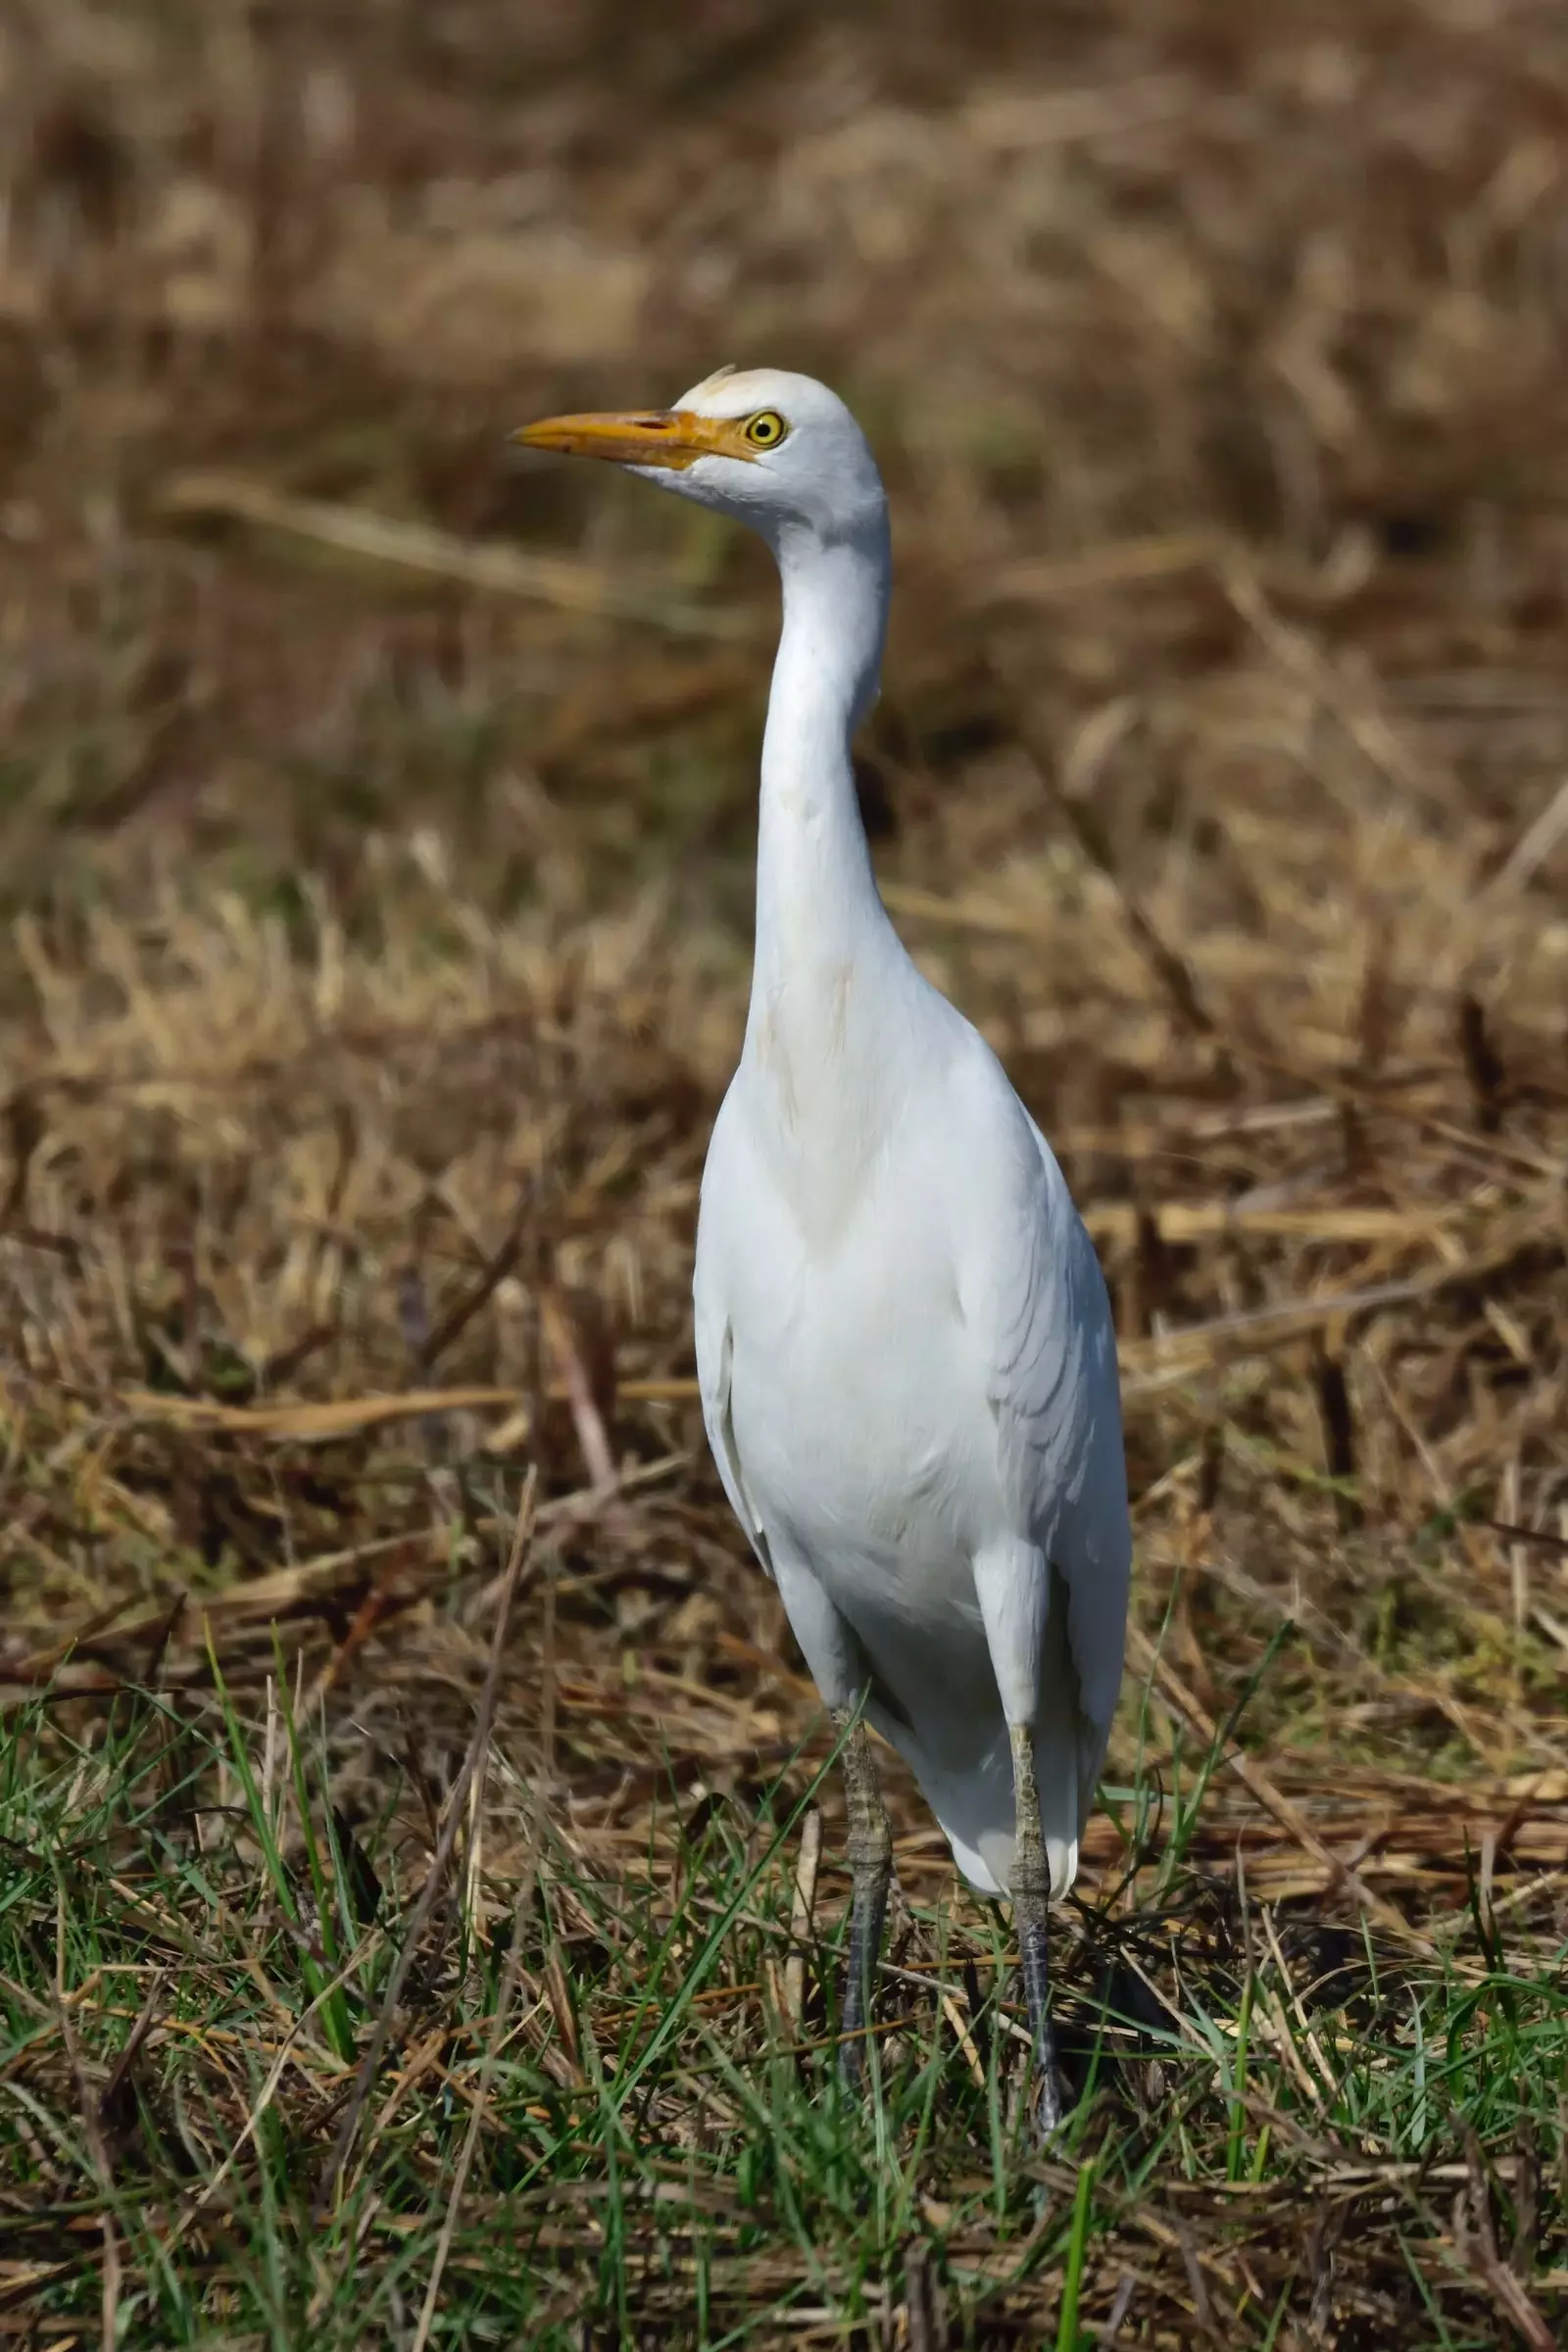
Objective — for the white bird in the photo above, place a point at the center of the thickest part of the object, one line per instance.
(904, 1346)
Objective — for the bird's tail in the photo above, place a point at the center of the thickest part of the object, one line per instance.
(969, 1787)
(976, 1813)
(964, 1760)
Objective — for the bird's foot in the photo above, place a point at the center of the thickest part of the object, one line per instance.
(1047, 2100)
(870, 1850)
(867, 1908)
(1047, 2106)
(852, 2062)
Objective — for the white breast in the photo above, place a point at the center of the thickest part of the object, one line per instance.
(857, 1400)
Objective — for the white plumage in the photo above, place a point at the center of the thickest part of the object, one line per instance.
(908, 1381)
(904, 1342)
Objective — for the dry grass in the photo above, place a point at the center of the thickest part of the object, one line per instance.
(376, 822)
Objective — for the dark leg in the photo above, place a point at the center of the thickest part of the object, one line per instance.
(870, 1849)
(1031, 1899)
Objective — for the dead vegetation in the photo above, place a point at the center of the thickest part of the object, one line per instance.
(376, 820)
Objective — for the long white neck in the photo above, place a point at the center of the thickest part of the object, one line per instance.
(818, 916)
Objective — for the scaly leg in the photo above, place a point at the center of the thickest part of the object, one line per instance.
(870, 1850)
(1031, 1898)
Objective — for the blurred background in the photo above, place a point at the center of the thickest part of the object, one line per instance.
(1113, 288)
(376, 809)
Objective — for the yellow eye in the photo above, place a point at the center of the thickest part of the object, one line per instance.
(766, 429)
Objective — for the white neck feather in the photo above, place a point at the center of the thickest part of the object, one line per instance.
(818, 916)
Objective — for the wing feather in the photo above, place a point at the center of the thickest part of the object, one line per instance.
(1039, 1304)
(716, 1349)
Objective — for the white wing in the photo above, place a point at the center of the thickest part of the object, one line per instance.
(1036, 1298)
(723, 1186)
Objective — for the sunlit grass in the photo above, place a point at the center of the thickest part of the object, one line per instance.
(194, 1946)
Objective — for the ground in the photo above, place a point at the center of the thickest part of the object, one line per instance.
(420, 1853)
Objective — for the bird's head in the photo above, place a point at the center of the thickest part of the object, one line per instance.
(778, 452)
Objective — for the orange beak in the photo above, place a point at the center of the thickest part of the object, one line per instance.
(675, 438)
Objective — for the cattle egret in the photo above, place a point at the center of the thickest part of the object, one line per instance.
(905, 1345)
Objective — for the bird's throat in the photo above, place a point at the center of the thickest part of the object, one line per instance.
(826, 952)
(817, 909)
